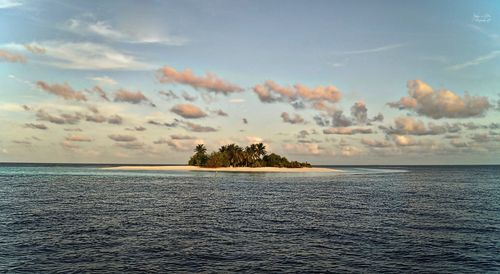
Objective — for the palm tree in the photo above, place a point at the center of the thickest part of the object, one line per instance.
(230, 151)
(261, 150)
(200, 149)
(251, 154)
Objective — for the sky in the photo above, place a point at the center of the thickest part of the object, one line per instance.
(329, 82)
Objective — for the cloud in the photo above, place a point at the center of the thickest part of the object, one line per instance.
(477, 61)
(63, 90)
(21, 142)
(160, 141)
(138, 97)
(184, 144)
(64, 118)
(377, 118)
(100, 92)
(347, 130)
(95, 118)
(89, 25)
(175, 123)
(209, 82)
(220, 112)
(85, 56)
(7, 4)
(458, 143)
(408, 126)
(35, 49)
(170, 95)
(115, 119)
(481, 138)
(302, 134)
(188, 97)
(36, 126)
(359, 116)
(78, 138)
(298, 95)
(297, 119)
(11, 57)
(321, 121)
(182, 137)
(440, 103)
(340, 120)
(139, 128)
(360, 112)
(236, 101)
(197, 128)
(375, 143)
(370, 50)
(104, 80)
(303, 149)
(134, 145)
(72, 129)
(188, 111)
(122, 138)
(402, 140)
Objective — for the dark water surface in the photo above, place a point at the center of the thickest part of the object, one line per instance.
(399, 219)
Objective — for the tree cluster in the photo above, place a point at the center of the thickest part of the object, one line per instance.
(232, 155)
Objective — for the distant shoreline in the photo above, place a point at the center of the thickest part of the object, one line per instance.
(225, 169)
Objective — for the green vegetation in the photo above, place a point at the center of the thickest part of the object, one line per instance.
(233, 155)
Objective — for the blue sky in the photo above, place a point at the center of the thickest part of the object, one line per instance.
(429, 68)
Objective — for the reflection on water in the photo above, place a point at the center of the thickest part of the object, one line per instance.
(74, 218)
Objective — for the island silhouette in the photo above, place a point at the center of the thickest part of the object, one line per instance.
(233, 155)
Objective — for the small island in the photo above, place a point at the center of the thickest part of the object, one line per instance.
(234, 158)
(232, 155)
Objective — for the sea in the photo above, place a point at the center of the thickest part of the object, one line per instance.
(396, 219)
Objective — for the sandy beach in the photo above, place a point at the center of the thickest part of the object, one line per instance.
(224, 169)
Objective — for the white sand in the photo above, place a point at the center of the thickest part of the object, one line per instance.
(223, 169)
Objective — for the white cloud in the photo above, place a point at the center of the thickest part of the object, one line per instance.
(477, 61)
(89, 25)
(5, 4)
(371, 50)
(83, 56)
(104, 80)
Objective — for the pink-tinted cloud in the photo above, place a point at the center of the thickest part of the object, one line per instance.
(443, 103)
(100, 92)
(78, 138)
(138, 97)
(11, 57)
(188, 111)
(63, 90)
(408, 126)
(320, 97)
(296, 119)
(210, 81)
(95, 118)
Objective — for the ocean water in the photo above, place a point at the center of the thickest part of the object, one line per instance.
(363, 219)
